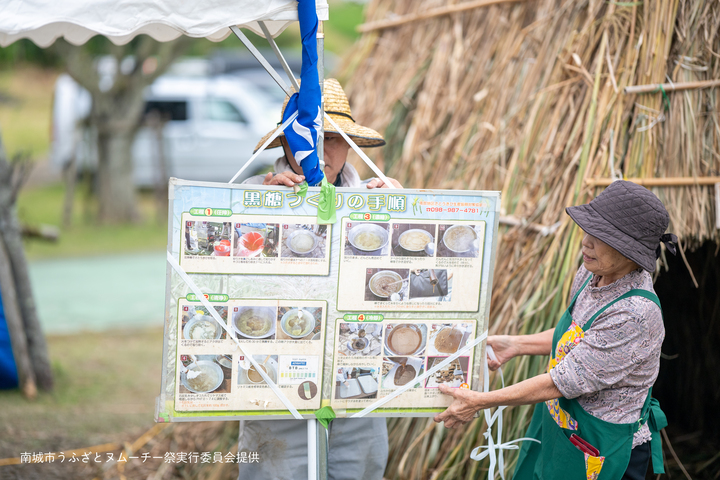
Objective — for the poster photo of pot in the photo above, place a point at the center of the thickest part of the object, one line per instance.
(304, 240)
(405, 339)
(248, 373)
(386, 284)
(298, 323)
(356, 383)
(459, 240)
(413, 240)
(399, 371)
(447, 338)
(453, 375)
(205, 239)
(359, 339)
(203, 374)
(431, 285)
(254, 323)
(198, 324)
(367, 239)
(256, 240)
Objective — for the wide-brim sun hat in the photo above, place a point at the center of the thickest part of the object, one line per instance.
(337, 107)
(629, 218)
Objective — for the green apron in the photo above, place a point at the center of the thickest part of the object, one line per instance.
(555, 420)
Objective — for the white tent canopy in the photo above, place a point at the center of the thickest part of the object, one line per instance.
(121, 20)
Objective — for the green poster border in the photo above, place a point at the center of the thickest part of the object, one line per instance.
(234, 413)
(481, 256)
(411, 409)
(329, 249)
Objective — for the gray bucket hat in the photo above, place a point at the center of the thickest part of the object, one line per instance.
(629, 218)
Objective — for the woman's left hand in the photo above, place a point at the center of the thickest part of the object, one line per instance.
(462, 410)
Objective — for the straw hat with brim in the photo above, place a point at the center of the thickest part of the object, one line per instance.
(629, 218)
(337, 107)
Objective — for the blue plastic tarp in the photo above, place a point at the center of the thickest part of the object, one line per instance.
(8, 369)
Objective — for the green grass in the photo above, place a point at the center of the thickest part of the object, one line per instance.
(84, 236)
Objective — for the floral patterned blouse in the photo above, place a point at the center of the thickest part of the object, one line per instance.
(611, 370)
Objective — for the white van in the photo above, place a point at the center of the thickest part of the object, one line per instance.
(214, 124)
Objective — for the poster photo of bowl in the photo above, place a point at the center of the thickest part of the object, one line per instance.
(253, 240)
(453, 375)
(458, 241)
(254, 323)
(399, 371)
(249, 375)
(413, 240)
(431, 285)
(202, 374)
(198, 324)
(367, 239)
(359, 339)
(207, 238)
(303, 240)
(356, 382)
(298, 323)
(386, 284)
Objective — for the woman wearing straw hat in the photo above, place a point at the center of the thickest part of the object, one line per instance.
(595, 417)
(358, 448)
(287, 171)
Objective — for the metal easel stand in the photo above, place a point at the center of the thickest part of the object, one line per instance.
(317, 438)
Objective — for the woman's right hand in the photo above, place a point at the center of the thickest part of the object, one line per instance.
(504, 348)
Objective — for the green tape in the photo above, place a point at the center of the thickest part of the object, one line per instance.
(326, 203)
(664, 94)
(303, 189)
(325, 415)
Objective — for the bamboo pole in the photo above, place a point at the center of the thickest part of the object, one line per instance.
(670, 87)
(435, 12)
(657, 182)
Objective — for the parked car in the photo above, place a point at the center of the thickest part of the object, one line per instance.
(213, 124)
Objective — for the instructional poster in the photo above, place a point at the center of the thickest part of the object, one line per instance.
(340, 315)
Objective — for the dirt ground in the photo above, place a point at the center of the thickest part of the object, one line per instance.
(106, 385)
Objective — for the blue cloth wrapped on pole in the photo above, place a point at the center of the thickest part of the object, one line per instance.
(303, 133)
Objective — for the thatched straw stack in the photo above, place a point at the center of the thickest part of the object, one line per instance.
(527, 97)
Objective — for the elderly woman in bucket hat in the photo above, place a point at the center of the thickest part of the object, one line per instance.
(595, 417)
(287, 171)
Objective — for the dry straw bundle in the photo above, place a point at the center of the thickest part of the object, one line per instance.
(528, 97)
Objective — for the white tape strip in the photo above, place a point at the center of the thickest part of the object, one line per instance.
(422, 377)
(275, 134)
(365, 158)
(494, 449)
(176, 266)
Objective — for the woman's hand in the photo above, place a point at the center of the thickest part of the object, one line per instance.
(504, 348)
(462, 410)
(377, 183)
(466, 402)
(289, 179)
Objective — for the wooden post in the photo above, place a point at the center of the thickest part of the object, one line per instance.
(657, 182)
(11, 179)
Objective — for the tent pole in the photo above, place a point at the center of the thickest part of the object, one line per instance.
(321, 444)
(256, 53)
(279, 56)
